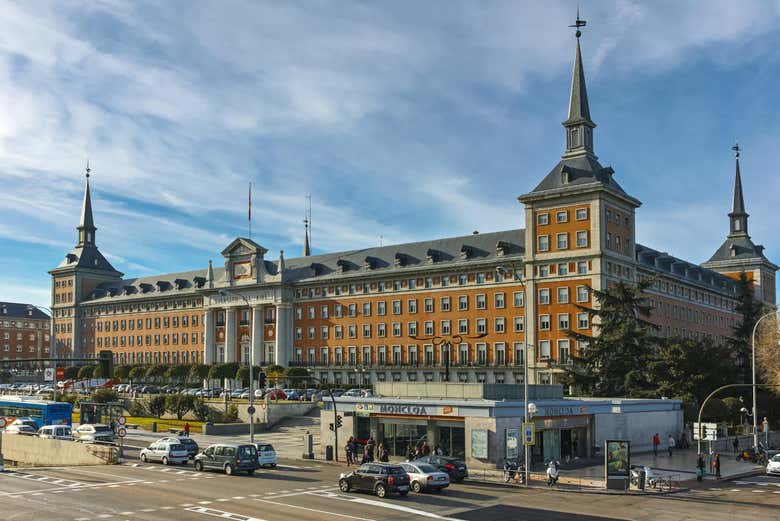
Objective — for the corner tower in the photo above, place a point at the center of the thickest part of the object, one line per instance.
(82, 270)
(738, 253)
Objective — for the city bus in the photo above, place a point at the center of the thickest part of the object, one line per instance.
(43, 412)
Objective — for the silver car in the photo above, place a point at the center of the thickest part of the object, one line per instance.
(424, 476)
(166, 452)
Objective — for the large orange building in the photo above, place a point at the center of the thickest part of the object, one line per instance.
(24, 332)
(460, 307)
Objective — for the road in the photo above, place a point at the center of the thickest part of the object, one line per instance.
(308, 492)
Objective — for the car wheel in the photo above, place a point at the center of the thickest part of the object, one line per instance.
(380, 490)
(199, 465)
(229, 469)
(416, 486)
(143, 458)
(344, 485)
(165, 460)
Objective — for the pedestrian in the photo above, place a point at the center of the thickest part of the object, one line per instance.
(437, 451)
(370, 449)
(353, 448)
(716, 465)
(187, 429)
(411, 454)
(656, 443)
(736, 444)
(348, 451)
(384, 454)
(672, 444)
(699, 467)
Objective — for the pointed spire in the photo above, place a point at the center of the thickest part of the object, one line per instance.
(86, 227)
(210, 275)
(579, 126)
(306, 248)
(738, 217)
(280, 267)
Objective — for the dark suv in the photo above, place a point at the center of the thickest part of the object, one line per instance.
(379, 478)
(228, 457)
(455, 467)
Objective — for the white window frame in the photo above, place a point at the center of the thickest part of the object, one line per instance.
(562, 241)
(581, 214)
(543, 219)
(544, 322)
(543, 243)
(562, 295)
(562, 216)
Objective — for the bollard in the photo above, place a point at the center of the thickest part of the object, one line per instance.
(154, 426)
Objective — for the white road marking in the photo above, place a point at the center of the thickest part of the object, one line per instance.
(222, 514)
(381, 504)
(239, 497)
(314, 510)
(128, 513)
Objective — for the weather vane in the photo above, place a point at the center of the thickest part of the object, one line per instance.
(579, 23)
(88, 169)
(735, 148)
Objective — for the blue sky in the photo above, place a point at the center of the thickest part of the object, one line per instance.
(405, 120)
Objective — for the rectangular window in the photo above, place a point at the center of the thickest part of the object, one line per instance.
(337, 310)
(463, 303)
(563, 321)
(396, 329)
(544, 296)
(381, 307)
(519, 299)
(411, 306)
(352, 310)
(582, 239)
(500, 325)
(411, 355)
(563, 268)
(463, 279)
(324, 311)
(582, 294)
(428, 284)
(298, 333)
(481, 326)
(564, 353)
(381, 330)
(367, 309)
(544, 270)
(445, 303)
(352, 331)
(429, 305)
(519, 323)
(298, 313)
(543, 243)
(412, 283)
(582, 267)
(544, 322)
(324, 332)
(338, 331)
(583, 321)
(563, 295)
(542, 219)
(428, 328)
(562, 241)
(366, 330)
(499, 300)
(311, 312)
(480, 278)
(562, 216)
(411, 328)
(446, 327)
(499, 354)
(481, 302)
(396, 307)
(609, 240)
(311, 332)
(519, 353)
(482, 354)
(581, 214)
(544, 349)
(463, 326)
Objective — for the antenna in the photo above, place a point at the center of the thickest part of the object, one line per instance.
(88, 169)
(736, 149)
(579, 23)
(308, 215)
(249, 217)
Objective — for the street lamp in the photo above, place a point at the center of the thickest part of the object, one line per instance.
(226, 293)
(52, 347)
(755, 408)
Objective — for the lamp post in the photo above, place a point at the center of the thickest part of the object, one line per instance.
(755, 408)
(227, 293)
(52, 347)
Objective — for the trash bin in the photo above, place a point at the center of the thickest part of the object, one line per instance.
(641, 480)
(329, 452)
(154, 426)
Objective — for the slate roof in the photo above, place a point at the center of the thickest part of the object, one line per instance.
(86, 256)
(664, 263)
(21, 310)
(581, 171)
(743, 249)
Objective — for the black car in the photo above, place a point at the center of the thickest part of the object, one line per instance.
(189, 444)
(455, 467)
(380, 478)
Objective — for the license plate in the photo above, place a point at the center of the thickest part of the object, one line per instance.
(403, 488)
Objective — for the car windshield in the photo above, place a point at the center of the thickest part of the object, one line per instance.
(426, 468)
(246, 451)
(776, 458)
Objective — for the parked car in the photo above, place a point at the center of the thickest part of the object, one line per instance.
(454, 467)
(91, 433)
(424, 476)
(229, 458)
(166, 452)
(380, 478)
(189, 444)
(354, 393)
(266, 454)
(291, 394)
(26, 421)
(773, 465)
(20, 429)
(56, 432)
(276, 394)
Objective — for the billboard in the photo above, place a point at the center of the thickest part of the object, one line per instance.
(617, 458)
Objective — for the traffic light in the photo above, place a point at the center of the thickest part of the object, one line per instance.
(330, 426)
(338, 422)
(261, 380)
(106, 360)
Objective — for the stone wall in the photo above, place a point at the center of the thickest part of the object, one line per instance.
(35, 451)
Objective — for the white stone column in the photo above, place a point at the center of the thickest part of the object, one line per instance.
(284, 333)
(209, 346)
(230, 335)
(257, 334)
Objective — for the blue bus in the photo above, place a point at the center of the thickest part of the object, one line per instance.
(43, 412)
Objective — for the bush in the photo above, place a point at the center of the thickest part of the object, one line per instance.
(104, 395)
(232, 413)
(71, 372)
(156, 405)
(85, 371)
(179, 404)
(137, 373)
(200, 410)
(68, 398)
(138, 408)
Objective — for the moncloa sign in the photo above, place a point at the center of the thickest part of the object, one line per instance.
(389, 408)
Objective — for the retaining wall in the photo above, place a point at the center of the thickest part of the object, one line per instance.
(35, 451)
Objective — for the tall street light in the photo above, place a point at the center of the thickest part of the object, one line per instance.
(755, 408)
(52, 346)
(527, 415)
(226, 293)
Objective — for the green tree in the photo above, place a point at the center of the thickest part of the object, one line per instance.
(104, 395)
(200, 410)
(97, 373)
(156, 405)
(216, 372)
(122, 371)
(230, 369)
(86, 371)
(274, 373)
(177, 372)
(179, 404)
(242, 375)
(749, 310)
(138, 373)
(71, 372)
(199, 372)
(613, 362)
(5, 376)
(156, 371)
(299, 376)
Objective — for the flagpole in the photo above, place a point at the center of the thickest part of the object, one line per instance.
(250, 209)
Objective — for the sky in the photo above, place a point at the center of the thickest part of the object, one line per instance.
(403, 120)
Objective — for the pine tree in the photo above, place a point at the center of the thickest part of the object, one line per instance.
(614, 361)
(750, 310)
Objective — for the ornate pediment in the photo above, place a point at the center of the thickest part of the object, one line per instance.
(241, 246)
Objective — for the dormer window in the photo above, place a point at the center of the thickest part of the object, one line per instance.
(575, 137)
(564, 178)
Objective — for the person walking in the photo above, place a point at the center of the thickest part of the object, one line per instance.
(699, 467)
(736, 444)
(716, 465)
(187, 429)
(370, 449)
(384, 454)
(672, 444)
(656, 443)
(348, 451)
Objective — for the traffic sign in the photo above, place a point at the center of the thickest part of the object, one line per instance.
(60, 372)
(121, 432)
(251, 410)
(48, 374)
(2, 422)
(529, 434)
(709, 431)
(121, 420)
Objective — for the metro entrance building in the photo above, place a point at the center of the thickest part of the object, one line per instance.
(481, 423)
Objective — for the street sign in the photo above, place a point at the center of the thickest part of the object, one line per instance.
(529, 434)
(48, 374)
(709, 431)
(60, 372)
(121, 432)
(121, 420)
(2, 422)
(251, 410)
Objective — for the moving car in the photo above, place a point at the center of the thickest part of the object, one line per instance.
(424, 476)
(26, 421)
(454, 467)
(380, 478)
(229, 458)
(165, 451)
(189, 444)
(56, 432)
(20, 429)
(91, 433)
(266, 454)
(773, 465)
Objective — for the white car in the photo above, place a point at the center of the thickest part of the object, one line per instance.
(166, 452)
(424, 476)
(56, 432)
(266, 454)
(773, 466)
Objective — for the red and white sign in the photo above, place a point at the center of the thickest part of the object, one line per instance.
(60, 373)
(121, 420)
(2, 422)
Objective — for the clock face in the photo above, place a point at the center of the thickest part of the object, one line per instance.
(242, 270)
